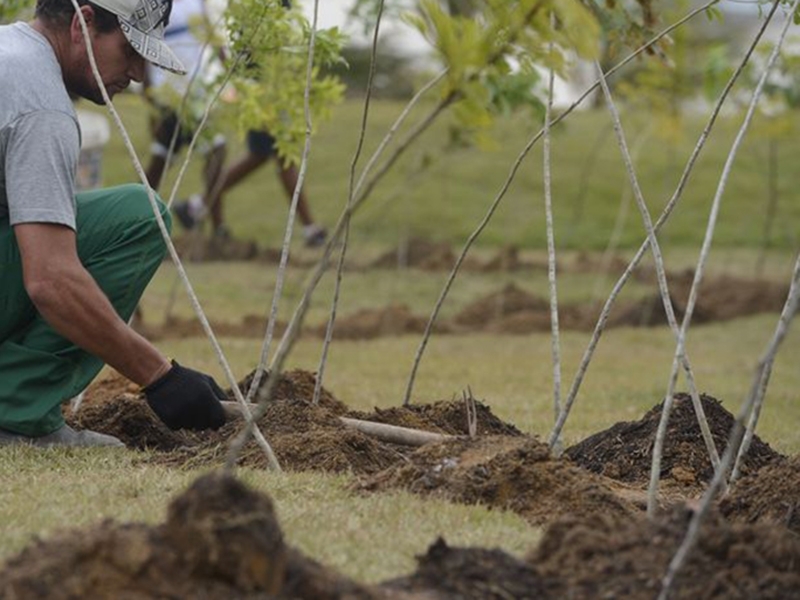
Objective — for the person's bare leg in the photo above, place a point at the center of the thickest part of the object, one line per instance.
(212, 169)
(289, 176)
(155, 171)
(230, 177)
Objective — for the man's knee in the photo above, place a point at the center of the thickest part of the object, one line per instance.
(140, 202)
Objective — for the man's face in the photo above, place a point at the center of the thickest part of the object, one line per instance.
(117, 61)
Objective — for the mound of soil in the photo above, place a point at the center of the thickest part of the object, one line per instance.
(197, 248)
(473, 574)
(370, 323)
(250, 326)
(303, 436)
(508, 301)
(601, 556)
(771, 496)
(506, 472)
(417, 253)
(220, 540)
(294, 384)
(624, 451)
(449, 417)
(720, 298)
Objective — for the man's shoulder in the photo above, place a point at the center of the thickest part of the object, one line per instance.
(28, 64)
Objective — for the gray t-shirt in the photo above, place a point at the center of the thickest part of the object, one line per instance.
(39, 132)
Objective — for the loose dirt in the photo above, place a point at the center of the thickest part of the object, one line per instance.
(303, 436)
(624, 451)
(506, 472)
(602, 556)
(772, 495)
(222, 540)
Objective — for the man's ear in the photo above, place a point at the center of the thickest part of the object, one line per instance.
(75, 29)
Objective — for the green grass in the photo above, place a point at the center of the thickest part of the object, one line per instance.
(367, 537)
(446, 199)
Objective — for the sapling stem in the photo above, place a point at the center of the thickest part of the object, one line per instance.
(351, 192)
(170, 246)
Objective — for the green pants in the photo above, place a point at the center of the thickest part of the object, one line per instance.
(120, 244)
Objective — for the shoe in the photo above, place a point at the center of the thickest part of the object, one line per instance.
(184, 214)
(315, 236)
(190, 211)
(222, 233)
(66, 436)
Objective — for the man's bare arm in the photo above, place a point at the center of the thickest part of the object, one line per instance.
(69, 299)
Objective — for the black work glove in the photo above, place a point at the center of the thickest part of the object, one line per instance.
(186, 399)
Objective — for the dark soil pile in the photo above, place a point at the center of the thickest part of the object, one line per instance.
(220, 541)
(294, 384)
(601, 556)
(474, 574)
(771, 496)
(624, 451)
(510, 473)
(449, 417)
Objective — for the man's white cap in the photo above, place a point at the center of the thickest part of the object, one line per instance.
(143, 22)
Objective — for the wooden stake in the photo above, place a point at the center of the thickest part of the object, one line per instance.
(392, 434)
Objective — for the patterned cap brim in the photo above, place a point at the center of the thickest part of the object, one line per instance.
(152, 47)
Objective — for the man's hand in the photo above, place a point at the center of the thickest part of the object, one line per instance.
(186, 399)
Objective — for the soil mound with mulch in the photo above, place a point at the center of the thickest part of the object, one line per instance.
(624, 451)
(771, 496)
(601, 556)
(505, 472)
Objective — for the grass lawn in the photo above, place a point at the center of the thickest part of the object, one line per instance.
(442, 193)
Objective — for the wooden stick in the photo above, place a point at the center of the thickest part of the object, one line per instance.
(386, 433)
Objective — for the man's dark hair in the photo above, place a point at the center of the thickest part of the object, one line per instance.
(59, 13)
